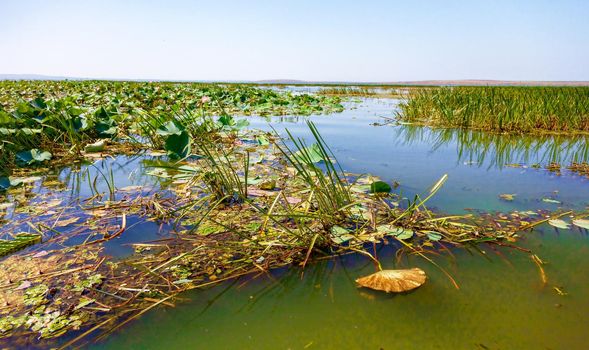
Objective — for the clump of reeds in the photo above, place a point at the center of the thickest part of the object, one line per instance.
(330, 190)
(348, 91)
(363, 91)
(500, 109)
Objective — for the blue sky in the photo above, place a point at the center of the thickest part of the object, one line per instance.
(303, 39)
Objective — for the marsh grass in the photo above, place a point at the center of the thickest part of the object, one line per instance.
(329, 188)
(500, 109)
(220, 171)
(363, 91)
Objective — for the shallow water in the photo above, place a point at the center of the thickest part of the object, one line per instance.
(501, 303)
(395, 153)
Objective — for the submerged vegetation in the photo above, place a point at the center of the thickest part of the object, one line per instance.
(230, 201)
(500, 109)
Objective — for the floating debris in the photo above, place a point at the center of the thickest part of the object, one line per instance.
(559, 223)
(394, 280)
(582, 223)
(507, 197)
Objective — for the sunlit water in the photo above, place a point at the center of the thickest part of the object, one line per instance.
(501, 303)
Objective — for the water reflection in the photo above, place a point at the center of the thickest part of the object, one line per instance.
(498, 150)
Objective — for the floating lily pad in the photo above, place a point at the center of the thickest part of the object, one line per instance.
(4, 183)
(433, 236)
(340, 235)
(262, 140)
(32, 157)
(380, 187)
(398, 232)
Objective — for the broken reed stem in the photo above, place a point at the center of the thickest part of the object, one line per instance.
(539, 263)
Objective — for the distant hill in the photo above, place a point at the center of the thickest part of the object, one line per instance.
(467, 82)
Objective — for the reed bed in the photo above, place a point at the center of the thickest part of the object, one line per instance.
(500, 109)
(361, 91)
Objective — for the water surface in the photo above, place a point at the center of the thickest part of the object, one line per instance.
(501, 304)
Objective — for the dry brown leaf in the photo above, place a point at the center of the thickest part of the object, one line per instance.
(394, 280)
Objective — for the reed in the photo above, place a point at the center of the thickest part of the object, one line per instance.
(330, 188)
(500, 109)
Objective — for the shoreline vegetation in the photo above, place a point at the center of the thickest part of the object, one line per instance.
(233, 201)
(521, 110)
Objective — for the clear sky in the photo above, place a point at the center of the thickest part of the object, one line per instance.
(346, 40)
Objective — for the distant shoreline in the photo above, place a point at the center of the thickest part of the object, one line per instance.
(457, 82)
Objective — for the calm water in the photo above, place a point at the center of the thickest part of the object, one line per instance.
(501, 303)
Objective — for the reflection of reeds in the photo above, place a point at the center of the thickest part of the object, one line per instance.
(501, 149)
(504, 109)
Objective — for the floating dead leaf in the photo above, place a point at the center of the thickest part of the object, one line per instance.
(507, 196)
(98, 212)
(66, 222)
(23, 285)
(156, 153)
(267, 185)
(27, 180)
(52, 204)
(130, 188)
(558, 223)
(394, 280)
(40, 254)
(97, 146)
(583, 223)
(293, 200)
(94, 155)
(4, 206)
(260, 193)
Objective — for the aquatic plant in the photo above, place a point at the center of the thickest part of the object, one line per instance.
(364, 91)
(221, 170)
(64, 117)
(235, 202)
(329, 189)
(500, 109)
